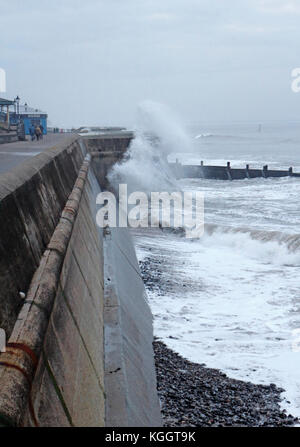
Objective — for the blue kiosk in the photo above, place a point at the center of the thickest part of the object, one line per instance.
(29, 116)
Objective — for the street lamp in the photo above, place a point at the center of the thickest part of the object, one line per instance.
(17, 101)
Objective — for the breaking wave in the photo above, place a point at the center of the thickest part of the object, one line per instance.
(145, 166)
(291, 241)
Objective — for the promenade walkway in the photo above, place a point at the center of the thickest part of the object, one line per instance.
(13, 154)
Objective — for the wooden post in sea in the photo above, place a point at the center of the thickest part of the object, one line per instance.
(265, 171)
(228, 169)
(290, 171)
(247, 171)
(201, 169)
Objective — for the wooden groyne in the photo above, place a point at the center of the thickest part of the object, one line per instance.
(227, 172)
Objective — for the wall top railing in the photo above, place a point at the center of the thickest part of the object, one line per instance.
(227, 172)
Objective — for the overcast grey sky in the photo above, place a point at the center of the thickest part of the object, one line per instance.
(92, 61)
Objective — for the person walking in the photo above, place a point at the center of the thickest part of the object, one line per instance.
(42, 131)
(32, 132)
(38, 132)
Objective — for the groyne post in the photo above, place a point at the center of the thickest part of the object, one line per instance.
(265, 171)
(201, 169)
(228, 169)
(247, 171)
(290, 171)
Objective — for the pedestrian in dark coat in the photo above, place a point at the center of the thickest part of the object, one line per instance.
(32, 132)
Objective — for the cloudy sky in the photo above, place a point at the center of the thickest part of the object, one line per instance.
(93, 61)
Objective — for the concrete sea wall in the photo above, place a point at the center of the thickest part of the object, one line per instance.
(106, 151)
(32, 198)
(80, 348)
(130, 374)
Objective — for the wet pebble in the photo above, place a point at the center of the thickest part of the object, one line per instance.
(194, 395)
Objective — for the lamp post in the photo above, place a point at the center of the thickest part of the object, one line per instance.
(17, 101)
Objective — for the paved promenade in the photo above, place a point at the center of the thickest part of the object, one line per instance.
(13, 154)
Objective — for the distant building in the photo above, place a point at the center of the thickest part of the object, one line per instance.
(11, 112)
(29, 117)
